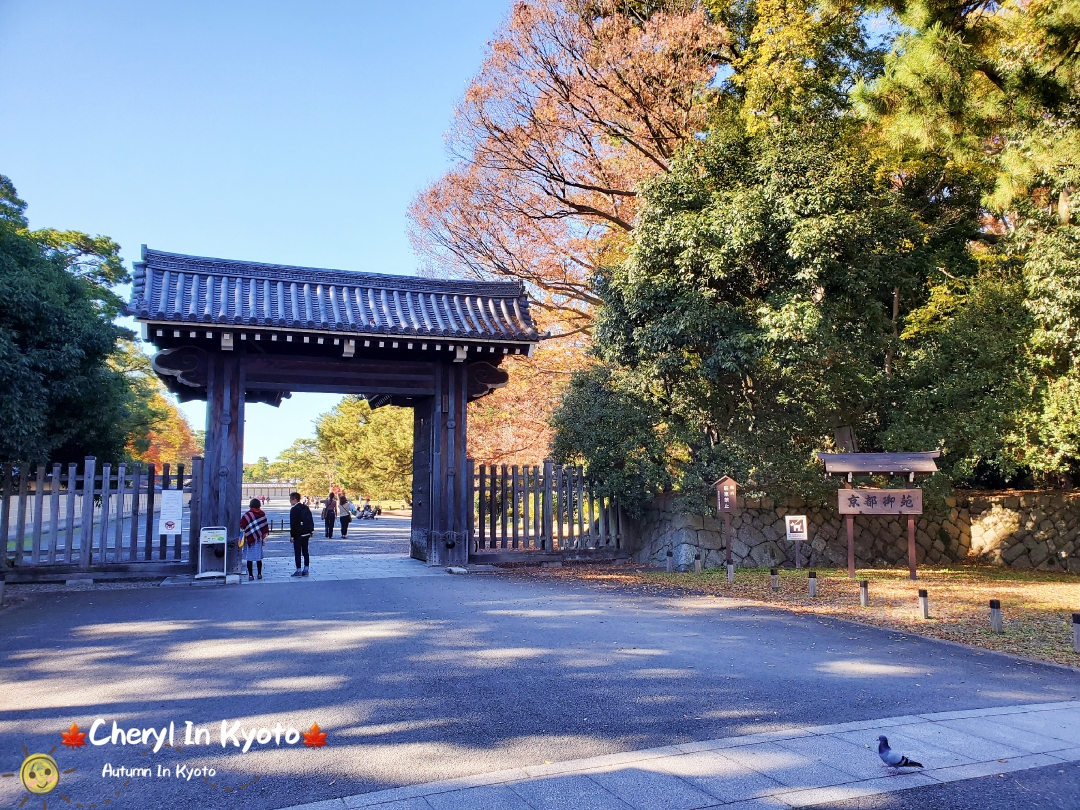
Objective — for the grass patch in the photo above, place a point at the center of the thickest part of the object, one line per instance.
(1037, 606)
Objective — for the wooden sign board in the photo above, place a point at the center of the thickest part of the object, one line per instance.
(726, 490)
(880, 501)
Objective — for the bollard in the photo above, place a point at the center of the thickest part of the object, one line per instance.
(864, 593)
(924, 603)
(670, 562)
(730, 573)
(811, 583)
(3, 577)
(995, 616)
(1076, 632)
(697, 563)
(774, 576)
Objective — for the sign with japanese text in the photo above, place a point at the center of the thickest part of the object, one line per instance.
(880, 501)
(171, 520)
(725, 494)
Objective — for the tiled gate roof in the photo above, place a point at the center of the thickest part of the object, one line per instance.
(173, 288)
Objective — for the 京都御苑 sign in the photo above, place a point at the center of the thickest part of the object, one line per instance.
(880, 501)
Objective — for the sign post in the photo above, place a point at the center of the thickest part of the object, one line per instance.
(797, 532)
(726, 496)
(880, 502)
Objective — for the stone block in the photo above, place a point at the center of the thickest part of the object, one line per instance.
(1022, 564)
(751, 536)
(1011, 502)
(1014, 552)
(707, 539)
(688, 522)
(767, 503)
(950, 501)
(1038, 554)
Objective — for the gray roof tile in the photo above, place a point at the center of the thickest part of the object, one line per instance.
(173, 288)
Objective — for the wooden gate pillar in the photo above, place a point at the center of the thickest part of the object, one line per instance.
(223, 461)
(440, 423)
(423, 414)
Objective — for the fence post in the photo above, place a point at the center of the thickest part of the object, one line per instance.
(20, 514)
(547, 536)
(482, 514)
(5, 508)
(151, 483)
(69, 531)
(178, 542)
(470, 497)
(39, 504)
(163, 541)
(136, 494)
(86, 530)
(106, 501)
(54, 512)
(195, 512)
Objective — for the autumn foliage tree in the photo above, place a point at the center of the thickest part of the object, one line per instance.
(574, 106)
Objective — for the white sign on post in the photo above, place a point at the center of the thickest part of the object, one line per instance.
(172, 512)
(796, 527)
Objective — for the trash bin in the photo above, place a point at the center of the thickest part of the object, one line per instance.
(213, 552)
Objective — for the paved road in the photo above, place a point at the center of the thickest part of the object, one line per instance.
(424, 678)
(388, 534)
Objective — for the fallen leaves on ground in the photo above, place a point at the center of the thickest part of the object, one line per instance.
(1037, 607)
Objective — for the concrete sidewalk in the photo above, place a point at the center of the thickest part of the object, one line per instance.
(796, 768)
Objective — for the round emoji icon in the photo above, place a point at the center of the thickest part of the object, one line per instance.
(39, 773)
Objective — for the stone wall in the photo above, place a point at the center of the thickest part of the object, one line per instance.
(1024, 530)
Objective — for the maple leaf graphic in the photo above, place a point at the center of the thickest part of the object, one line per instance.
(73, 738)
(315, 737)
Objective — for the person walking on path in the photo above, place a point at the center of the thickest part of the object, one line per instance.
(301, 527)
(329, 514)
(254, 528)
(344, 513)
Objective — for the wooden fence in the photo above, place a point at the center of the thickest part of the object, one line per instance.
(533, 508)
(58, 517)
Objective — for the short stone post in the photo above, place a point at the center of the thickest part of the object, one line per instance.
(670, 561)
(924, 603)
(697, 563)
(995, 616)
(774, 577)
(1076, 632)
(730, 573)
(811, 583)
(864, 593)
(3, 576)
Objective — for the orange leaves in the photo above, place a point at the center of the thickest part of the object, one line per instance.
(574, 106)
(171, 440)
(314, 737)
(73, 738)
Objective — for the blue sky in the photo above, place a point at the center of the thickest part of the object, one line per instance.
(291, 132)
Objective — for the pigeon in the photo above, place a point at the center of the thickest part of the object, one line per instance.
(893, 759)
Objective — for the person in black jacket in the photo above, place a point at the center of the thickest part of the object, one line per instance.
(301, 527)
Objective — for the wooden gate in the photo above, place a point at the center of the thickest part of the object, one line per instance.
(57, 519)
(540, 513)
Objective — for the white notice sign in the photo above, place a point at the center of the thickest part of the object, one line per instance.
(172, 512)
(796, 527)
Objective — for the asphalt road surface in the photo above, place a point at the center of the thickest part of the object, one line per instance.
(419, 679)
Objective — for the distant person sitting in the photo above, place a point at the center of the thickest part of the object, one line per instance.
(254, 528)
(301, 527)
